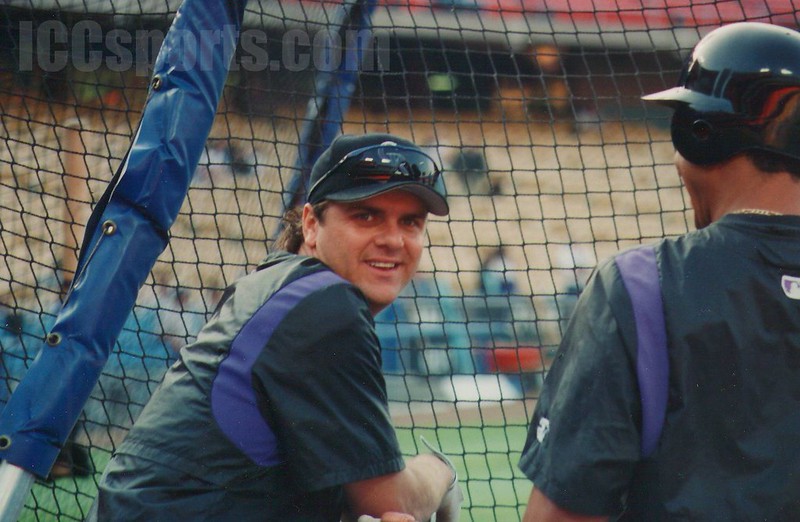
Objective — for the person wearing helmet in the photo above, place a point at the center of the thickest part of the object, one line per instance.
(278, 411)
(675, 394)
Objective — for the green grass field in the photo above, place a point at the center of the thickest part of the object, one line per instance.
(485, 455)
(64, 499)
(486, 458)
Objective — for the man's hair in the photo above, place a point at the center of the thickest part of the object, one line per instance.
(768, 162)
(291, 237)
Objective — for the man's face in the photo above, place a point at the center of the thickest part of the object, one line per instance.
(375, 244)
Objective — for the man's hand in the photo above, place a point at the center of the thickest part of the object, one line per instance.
(416, 493)
(450, 508)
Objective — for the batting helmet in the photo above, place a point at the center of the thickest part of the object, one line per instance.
(738, 91)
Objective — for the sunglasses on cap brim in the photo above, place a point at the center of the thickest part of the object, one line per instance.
(385, 163)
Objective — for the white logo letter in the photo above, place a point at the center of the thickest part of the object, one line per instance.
(542, 429)
(791, 286)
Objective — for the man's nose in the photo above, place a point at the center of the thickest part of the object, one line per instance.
(391, 236)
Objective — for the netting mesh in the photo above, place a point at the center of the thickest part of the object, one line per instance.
(551, 163)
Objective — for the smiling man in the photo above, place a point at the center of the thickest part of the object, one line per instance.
(279, 411)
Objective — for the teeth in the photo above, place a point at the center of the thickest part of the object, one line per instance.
(383, 265)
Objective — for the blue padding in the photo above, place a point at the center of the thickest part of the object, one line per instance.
(142, 201)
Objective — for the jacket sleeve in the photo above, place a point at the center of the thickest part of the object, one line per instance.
(323, 392)
(584, 439)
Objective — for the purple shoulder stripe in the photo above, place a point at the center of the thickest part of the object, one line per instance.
(640, 276)
(233, 400)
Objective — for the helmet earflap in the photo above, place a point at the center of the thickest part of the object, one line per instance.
(705, 142)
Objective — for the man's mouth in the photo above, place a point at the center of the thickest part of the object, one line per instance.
(382, 264)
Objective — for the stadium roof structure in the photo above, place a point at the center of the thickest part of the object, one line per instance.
(630, 24)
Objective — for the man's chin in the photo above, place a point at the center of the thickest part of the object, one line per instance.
(378, 302)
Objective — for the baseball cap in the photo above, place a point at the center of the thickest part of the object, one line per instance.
(357, 167)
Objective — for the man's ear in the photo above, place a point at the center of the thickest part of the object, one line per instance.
(310, 226)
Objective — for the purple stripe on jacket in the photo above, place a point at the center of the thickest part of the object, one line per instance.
(640, 276)
(233, 400)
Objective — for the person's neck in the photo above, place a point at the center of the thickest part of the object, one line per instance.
(304, 250)
(750, 191)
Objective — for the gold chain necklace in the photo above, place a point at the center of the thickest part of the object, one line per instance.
(758, 211)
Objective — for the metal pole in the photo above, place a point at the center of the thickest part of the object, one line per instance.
(17, 485)
(325, 110)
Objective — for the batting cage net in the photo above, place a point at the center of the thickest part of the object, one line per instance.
(532, 108)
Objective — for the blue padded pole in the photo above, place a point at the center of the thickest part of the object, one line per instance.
(125, 234)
